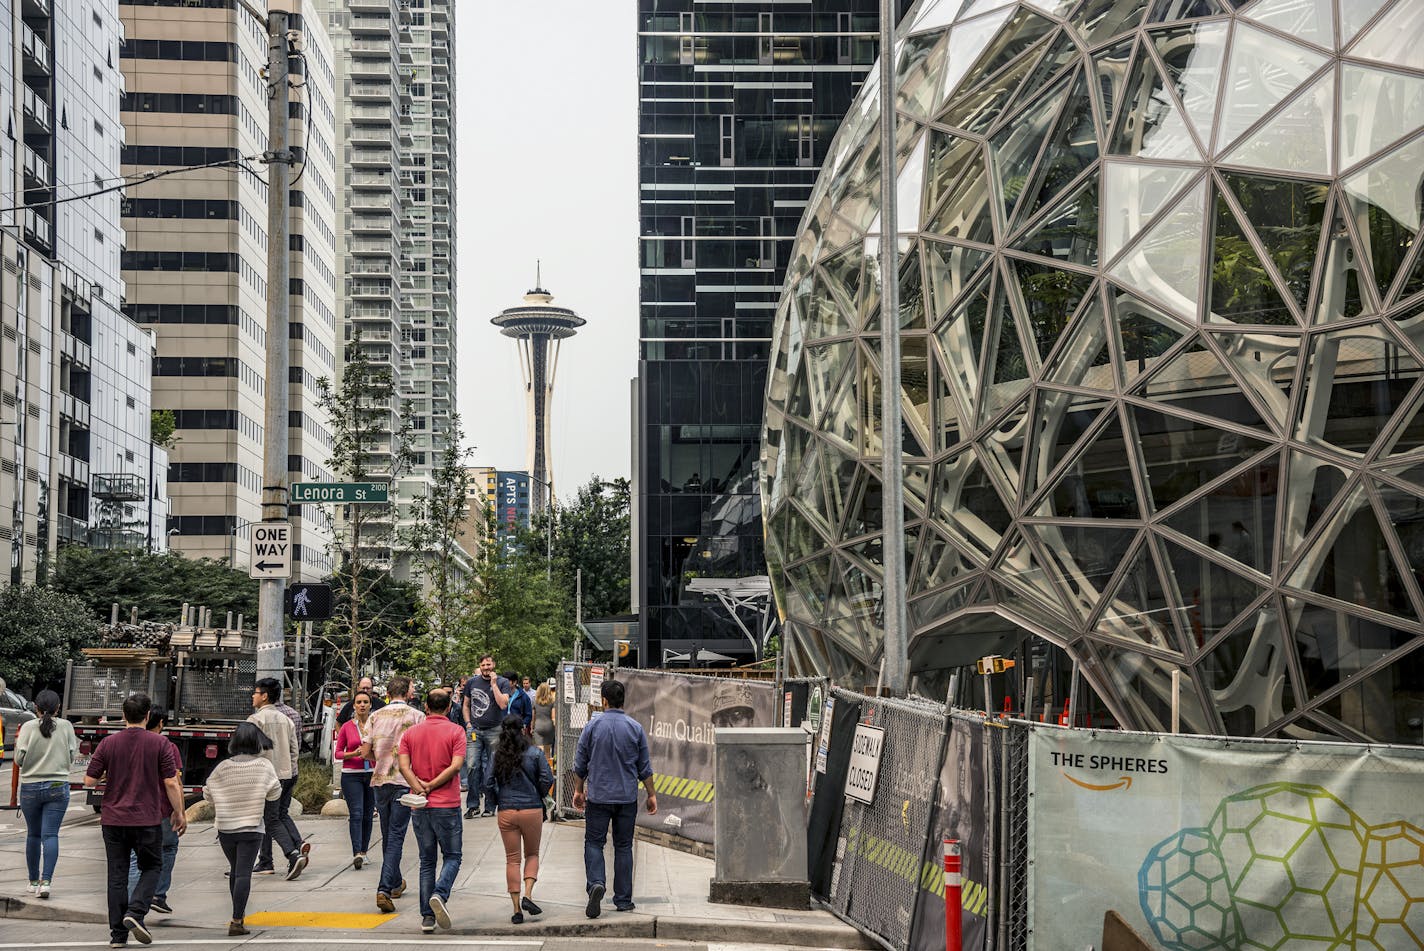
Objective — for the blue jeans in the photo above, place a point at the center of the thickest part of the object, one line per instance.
(165, 874)
(43, 806)
(481, 778)
(360, 808)
(596, 818)
(395, 818)
(437, 827)
(472, 750)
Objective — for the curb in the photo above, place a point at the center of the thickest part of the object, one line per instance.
(43, 911)
(798, 934)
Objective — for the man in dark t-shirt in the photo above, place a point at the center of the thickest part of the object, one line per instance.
(139, 770)
(486, 697)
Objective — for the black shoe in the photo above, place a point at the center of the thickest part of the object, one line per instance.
(517, 918)
(160, 905)
(487, 814)
(471, 813)
(530, 907)
(595, 901)
(427, 924)
(264, 870)
(295, 865)
(136, 928)
(628, 907)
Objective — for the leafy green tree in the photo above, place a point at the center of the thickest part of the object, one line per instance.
(157, 584)
(591, 532)
(163, 424)
(389, 614)
(40, 630)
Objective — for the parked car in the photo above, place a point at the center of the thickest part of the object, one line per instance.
(14, 710)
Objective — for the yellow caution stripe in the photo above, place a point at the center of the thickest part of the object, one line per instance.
(680, 787)
(911, 867)
(319, 919)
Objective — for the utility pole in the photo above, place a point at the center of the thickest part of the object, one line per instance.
(271, 645)
(894, 663)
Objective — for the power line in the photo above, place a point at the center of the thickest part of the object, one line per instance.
(137, 178)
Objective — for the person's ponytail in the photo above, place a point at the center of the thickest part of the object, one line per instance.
(47, 703)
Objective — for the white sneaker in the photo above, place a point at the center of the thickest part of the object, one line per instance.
(43, 890)
(32, 888)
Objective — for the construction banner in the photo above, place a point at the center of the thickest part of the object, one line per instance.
(680, 714)
(959, 813)
(1212, 844)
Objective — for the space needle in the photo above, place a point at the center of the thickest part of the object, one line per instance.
(539, 327)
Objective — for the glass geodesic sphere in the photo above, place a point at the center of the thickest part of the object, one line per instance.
(1161, 309)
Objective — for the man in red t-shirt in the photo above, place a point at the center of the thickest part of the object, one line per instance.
(139, 770)
(431, 753)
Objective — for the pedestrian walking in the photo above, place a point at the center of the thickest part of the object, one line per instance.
(348, 710)
(485, 700)
(157, 720)
(241, 788)
(528, 688)
(431, 754)
(278, 728)
(292, 714)
(388, 725)
(44, 748)
(351, 749)
(611, 759)
(520, 705)
(139, 771)
(522, 779)
(544, 726)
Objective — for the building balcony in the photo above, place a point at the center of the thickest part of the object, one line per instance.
(372, 158)
(120, 487)
(36, 53)
(372, 224)
(373, 26)
(368, 180)
(372, 92)
(38, 118)
(37, 169)
(35, 8)
(37, 228)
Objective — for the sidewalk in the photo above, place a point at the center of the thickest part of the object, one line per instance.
(670, 889)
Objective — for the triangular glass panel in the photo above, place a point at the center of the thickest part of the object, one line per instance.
(950, 268)
(870, 286)
(840, 482)
(920, 74)
(842, 272)
(1165, 264)
(1364, 709)
(1210, 595)
(866, 513)
(1110, 72)
(1051, 297)
(1352, 562)
(1008, 368)
(961, 340)
(1287, 216)
(1310, 20)
(940, 564)
(1333, 644)
(1059, 424)
(1386, 194)
(1342, 275)
(841, 422)
(1139, 191)
(869, 426)
(1296, 139)
(1144, 335)
(1182, 455)
(958, 171)
(912, 294)
(1068, 233)
(1002, 448)
(1100, 20)
(1265, 69)
(810, 580)
(984, 103)
(1354, 15)
(1405, 433)
(968, 505)
(1169, 11)
(825, 365)
(1084, 556)
(1243, 290)
(1019, 565)
(1097, 483)
(1247, 673)
(1016, 147)
(949, 427)
(1393, 38)
(1149, 124)
(1085, 359)
(1140, 608)
(1183, 380)
(936, 14)
(820, 314)
(917, 493)
(970, 39)
(1332, 411)
(1061, 51)
(1023, 32)
(803, 538)
(1072, 148)
(810, 490)
(1193, 58)
(1238, 517)
(915, 392)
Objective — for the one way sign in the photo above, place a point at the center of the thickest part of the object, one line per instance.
(270, 556)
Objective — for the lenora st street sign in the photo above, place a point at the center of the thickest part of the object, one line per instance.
(270, 554)
(343, 492)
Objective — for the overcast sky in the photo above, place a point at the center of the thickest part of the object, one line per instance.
(546, 106)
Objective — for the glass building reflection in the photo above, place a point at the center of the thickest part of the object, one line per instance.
(1161, 306)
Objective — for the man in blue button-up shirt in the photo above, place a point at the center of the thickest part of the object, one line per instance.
(611, 759)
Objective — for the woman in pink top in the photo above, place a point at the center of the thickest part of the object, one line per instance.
(353, 748)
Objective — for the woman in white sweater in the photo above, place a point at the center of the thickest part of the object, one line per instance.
(239, 788)
(44, 750)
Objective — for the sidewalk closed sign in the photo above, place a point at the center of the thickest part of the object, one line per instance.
(864, 763)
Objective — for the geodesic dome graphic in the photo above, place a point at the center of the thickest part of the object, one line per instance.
(1162, 317)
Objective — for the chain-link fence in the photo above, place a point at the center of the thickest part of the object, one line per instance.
(573, 701)
(94, 690)
(1016, 865)
(216, 689)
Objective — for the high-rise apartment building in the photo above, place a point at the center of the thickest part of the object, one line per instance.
(508, 495)
(76, 462)
(195, 262)
(394, 65)
(738, 103)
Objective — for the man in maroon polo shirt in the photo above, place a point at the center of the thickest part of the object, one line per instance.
(139, 770)
(431, 753)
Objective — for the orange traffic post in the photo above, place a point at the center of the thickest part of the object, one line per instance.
(953, 900)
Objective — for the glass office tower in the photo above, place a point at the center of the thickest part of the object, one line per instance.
(738, 103)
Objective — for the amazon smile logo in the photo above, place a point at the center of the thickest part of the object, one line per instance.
(1123, 783)
(1114, 772)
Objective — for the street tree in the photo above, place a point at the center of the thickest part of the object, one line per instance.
(371, 436)
(157, 584)
(40, 630)
(591, 533)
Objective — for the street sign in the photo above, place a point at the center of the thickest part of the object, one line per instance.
(346, 492)
(864, 767)
(309, 602)
(270, 555)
